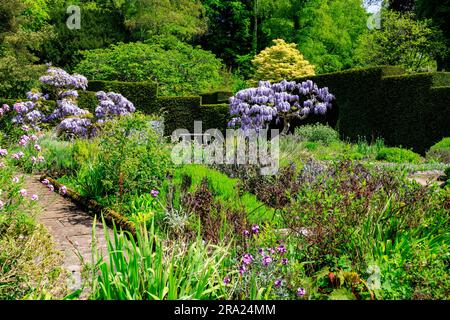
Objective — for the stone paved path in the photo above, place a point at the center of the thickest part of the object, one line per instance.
(70, 227)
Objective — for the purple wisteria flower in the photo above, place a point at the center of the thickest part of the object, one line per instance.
(77, 126)
(112, 104)
(255, 108)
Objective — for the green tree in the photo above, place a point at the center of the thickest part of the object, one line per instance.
(439, 12)
(20, 38)
(329, 31)
(402, 41)
(146, 18)
(101, 26)
(179, 68)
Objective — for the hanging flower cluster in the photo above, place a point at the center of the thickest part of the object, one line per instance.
(255, 108)
(111, 105)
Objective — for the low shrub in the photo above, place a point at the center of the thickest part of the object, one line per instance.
(130, 160)
(440, 151)
(317, 133)
(398, 155)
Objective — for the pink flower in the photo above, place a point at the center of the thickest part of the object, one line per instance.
(246, 233)
(51, 187)
(34, 197)
(278, 283)
(266, 260)
(25, 128)
(284, 261)
(63, 190)
(37, 148)
(247, 259)
(33, 137)
(15, 180)
(2, 165)
(3, 152)
(281, 249)
(33, 159)
(301, 292)
(226, 280)
(154, 193)
(45, 182)
(255, 228)
(242, 269)
(23, 192)
(1, 205)
(41, 159)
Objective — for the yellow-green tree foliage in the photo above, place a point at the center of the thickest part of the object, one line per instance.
(281, 61)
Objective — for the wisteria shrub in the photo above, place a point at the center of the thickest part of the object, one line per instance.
(255, 108)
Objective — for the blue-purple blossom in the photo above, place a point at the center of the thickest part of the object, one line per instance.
(266, 260)
(112, 104)
(255, 108)
(301, 292)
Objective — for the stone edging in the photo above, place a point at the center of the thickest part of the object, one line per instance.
(93, 208)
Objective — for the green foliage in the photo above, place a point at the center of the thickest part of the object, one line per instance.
(100, 27)
(403, 41)
(398, 155)
(317, 133)
(440, 151)
(329, 31)
(130, 160)
(18, 44)
(179, 68)
(29, 263)
(146, 18)
(150, 269)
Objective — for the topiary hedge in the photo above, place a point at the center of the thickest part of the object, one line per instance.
(179, 112)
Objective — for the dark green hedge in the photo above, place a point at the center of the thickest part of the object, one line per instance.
(179, 112)
(218, 97)
(405, 110)
(215, 116)
(142, 94)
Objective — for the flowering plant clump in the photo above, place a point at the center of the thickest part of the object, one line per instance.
(255, 108)
(263, 266)
(71, 120)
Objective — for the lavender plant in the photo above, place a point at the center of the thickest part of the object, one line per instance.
(255, 108)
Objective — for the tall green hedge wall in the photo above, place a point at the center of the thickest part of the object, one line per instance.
(408, 110)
